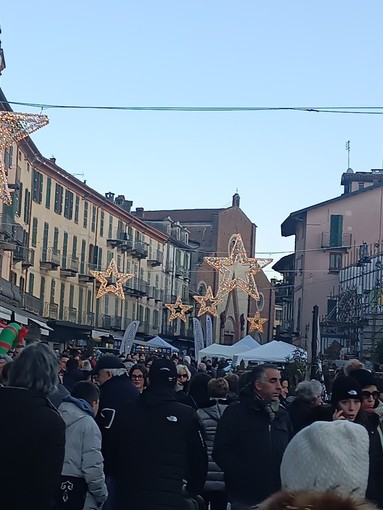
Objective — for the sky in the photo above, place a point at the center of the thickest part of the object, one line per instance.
(202, 53)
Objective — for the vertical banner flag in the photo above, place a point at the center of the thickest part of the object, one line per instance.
(198, 336)
(128, 338)
(209, 331)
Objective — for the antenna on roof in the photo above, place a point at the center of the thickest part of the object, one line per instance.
(348, 149)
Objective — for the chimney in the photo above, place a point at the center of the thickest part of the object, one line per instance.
(139, 212)
(53, 159)
(109, 196)
(120, 199)
(236, 200)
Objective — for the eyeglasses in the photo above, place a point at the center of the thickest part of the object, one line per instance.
(367, 394)
(137, 376)
(182, 376)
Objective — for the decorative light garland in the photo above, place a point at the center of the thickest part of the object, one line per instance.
(114, 288)
(14, 127)
(256, 323)
(178, 310)
(208, 303)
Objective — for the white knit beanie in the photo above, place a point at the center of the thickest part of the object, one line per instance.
(328, 456)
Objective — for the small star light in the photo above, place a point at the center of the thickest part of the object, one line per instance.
(227, 266)
(178, 310)
(256, 323)
(208, 303)
(104, 276)
(13, 128)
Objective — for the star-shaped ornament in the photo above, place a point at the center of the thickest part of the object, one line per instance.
(13, 128)
(227, 267)
(208, 303)
(104, 278)
(178, 310)
(256, 323)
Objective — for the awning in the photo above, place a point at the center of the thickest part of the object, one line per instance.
(5, 313)
(41, 324)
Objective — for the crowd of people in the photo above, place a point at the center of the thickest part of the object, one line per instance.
(148, 433)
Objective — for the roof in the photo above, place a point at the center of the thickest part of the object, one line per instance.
(289, 225)
(284, 263)
(183, 215)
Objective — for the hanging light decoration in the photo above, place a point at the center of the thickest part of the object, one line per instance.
(178, 310)
(104, 278)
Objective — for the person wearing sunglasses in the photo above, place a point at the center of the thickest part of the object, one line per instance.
(139, 375)
(183, 378)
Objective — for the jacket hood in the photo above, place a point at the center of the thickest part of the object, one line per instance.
(155, 397)
(214, 411)
(74, 409)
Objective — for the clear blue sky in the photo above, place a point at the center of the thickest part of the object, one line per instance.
(203, 53)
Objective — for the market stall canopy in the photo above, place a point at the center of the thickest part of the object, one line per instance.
(228, 351)
(273, 352)
(157, 341)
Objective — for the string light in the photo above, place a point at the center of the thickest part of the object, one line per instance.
(13, 128)
(115, 288)
(256, 323)
(208, 303)
(178, 310)
(227, 267)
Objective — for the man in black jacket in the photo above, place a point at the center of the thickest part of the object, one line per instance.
(251, 438)
(163, 449)
(116, 391)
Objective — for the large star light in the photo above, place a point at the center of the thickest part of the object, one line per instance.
(208, 303)
(13, 128)
(104, 278)
(178, 310)
(229, 266)
(256, 323)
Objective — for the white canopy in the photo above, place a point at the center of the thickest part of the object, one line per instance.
(228, 351)
(157, 341)
(275, 351)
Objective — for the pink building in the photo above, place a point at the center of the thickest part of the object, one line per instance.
(324, 235)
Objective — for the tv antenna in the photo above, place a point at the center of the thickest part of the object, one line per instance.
(348, 149)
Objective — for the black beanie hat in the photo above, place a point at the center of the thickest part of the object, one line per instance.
(344, 388)
(364, 377)
(163, 372)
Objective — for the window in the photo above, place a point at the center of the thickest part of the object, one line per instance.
(68, 207)
(53, 290)
(48, 193)
(106, 305)
(31, 283)
(19, 198)
(102, 221)
(55, 240)
(93, 226)
(27, 206)
(86, 209)
(59, 193)
(82, 261)
(34, 231)
(76, 209)
(155, 318)
(336, 230)
(62, 300)
(331, 307)
(45, 240)
(80, 304)
(37, 193)
(71, 296)
(42, 289)
(360, 185)
(99, 258)
(65, 251)
(74, 248)
(109, 257)
(335, 263)
(110, 228)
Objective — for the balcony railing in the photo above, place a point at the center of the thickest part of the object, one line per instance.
(136, 286)
(87, 319)
(341, 241)
(106, 321)
(51, 310)
(24, 255)
(116, 322)
(117, 237)
(50, 258)
(31, 303)
(179, 271)
(11, 234)
(70, 314)
(156, 259)
(69, 266)
(140, 250)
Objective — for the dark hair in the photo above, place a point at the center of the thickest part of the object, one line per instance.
(4, 375)
(258, 373)
(144, 371)
(87, 391)
(233, 380)
(198, 389)
(218, 388)
(72, 364)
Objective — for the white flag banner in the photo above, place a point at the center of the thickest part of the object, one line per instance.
(209, 331)
(128, 338)
(198, 336)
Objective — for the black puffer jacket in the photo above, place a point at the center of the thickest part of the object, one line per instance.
(375, 478)
(249, 447)
(32, 450)
(210, 417)
(162, 447)
(115, 395)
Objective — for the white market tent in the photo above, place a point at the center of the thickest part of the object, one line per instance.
(228, 351)
(157, 341)
(274, 352)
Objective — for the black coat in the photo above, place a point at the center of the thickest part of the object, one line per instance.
(375, 476)
(162, 446)
(300, 412)
(249, 448)
(32, 450)
(115, 394)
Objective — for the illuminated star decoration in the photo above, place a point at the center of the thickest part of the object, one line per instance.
(104, 276)
(208, 303)
(178, 310)
(256, 323)
(227, 266)
(13, 128)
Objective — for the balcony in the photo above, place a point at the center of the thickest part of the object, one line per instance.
(144, 328)
(69, 266)
(117, 238)
(51, 310)
(70, 314)
(87, 319)
(169, 267)
(333, 242)
(126, 246)
(31, 303)
(179, 271)
(159, 295)
(116, 322)
(84, 275)
(24, 255)
(140, 250)
(106, 321)
(50, 259)
(136, 287)
(11, 234)
(156, 259)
